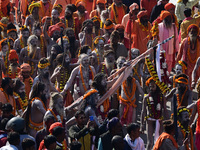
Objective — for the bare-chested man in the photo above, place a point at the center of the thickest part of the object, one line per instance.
(109, 62)
(154, 106)
(44, 77)
(82, 75)
(183, 93)
(195, 73)
(31, 54)
(99, 48)
(55, 14)
(34, 15)
(36, 30)
(22, 41)
(36, 109)
(86, 35)
(61, 76)
(184, 130)
(128, 99)
(20, 96)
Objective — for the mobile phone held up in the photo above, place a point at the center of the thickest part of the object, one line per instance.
(91, 118)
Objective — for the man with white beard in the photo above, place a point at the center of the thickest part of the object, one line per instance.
(109, 62)
(82, 75)
(56, 107)
(100, 7)
(31, 54)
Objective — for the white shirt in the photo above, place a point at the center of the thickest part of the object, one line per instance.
(9, 147)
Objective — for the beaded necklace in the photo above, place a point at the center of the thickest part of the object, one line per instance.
(82, 79)
(67, 25)
(10, 73)
(143, 27)
(63, 78)
(156, 114)
(188, 51)
(23, 103)
(42, 45)
(30, 82)
(97, 56)
(21, 42)
(182, 97)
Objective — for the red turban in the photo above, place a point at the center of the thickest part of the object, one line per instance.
(193, 26)
(56, 124)
(119, 26)
(141, 14)
(12, 55)
(52, 29)
(169, 6)
(164, 14)
(25, 67)
(134, 5)
(101, 1)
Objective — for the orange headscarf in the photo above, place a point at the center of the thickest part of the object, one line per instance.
(101, 1)
(169, 6)
(164, 14)
(79, 2)
(25, 67)
(193, 26)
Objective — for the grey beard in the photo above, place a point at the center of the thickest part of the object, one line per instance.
(59, 110)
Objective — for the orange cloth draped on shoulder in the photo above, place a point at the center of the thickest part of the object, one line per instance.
(64, 4)
(68, 99)
(117, 13)
(28, 84)
(24, 7)
(45, 10)
(162, 137)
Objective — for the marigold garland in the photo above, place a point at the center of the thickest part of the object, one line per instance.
(10, 72)
(188, 52)
(128, 102)
(81, 73)
(89, 93)
(23, 103)
(63, 78)
(182, 97)
(155, 113)
(163, 87)
(143, 27)
(42, 66)
(67, 25)
(21, 42)
(154, 30)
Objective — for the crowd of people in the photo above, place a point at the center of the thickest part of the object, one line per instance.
(99, 75)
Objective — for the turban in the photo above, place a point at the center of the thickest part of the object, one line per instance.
(58, 7)
(4, 3)
(108, 24)
(148, 81)
(141, 14)
(164, 14)
(12, 55)
(182, 80)
(56, 124)
(193, 26)
(79, 2)
(25, 67)
(169, 6)
(119, 26)
(52, 29)
(134, 5)
(95, 18)
(112, 123)
(11, 28)
(33, 5)
(101, 1)
(43, 63)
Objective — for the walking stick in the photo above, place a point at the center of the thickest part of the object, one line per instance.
(175, 116)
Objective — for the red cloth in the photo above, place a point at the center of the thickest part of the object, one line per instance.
(52, 29)
(197, 141)
(56, 124)
(13, 55)
(164, 14)
(169, 6)
(148, 5)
